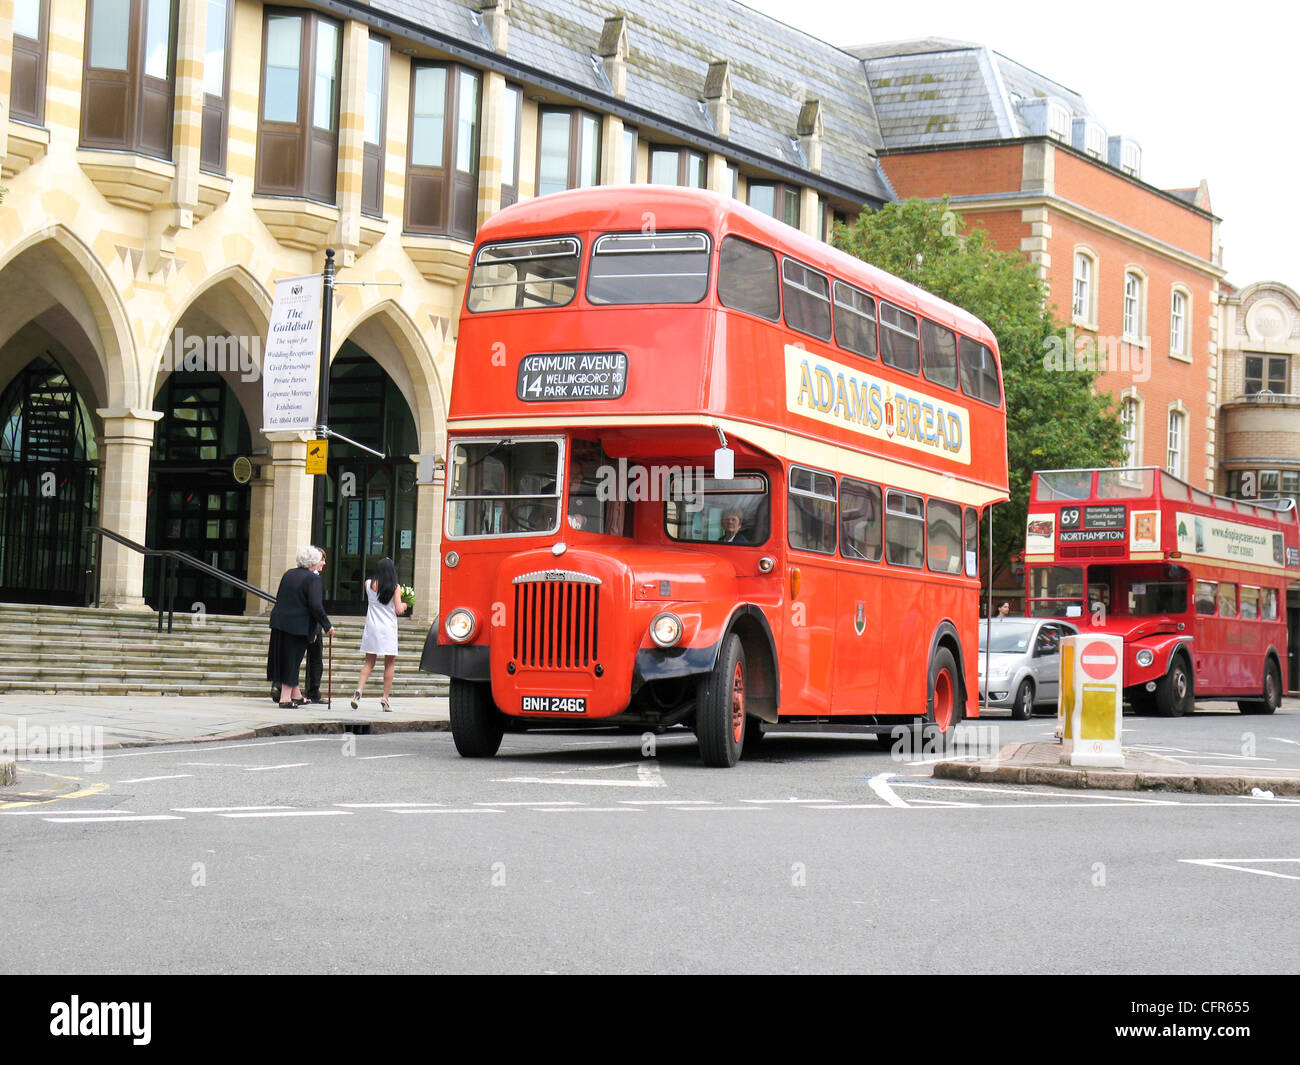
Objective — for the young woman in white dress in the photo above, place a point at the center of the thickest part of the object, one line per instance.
(383, 605)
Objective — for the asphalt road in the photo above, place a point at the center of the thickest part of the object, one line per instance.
(574, 852)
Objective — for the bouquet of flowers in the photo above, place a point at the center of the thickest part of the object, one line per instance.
(408, 595)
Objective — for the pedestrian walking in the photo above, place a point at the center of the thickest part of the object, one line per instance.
(298, 613)
(383, 605)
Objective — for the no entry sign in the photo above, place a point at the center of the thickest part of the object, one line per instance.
(1099, 660)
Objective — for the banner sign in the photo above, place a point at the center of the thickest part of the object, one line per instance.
(1229, 540)
(289, 361)
(835, 394)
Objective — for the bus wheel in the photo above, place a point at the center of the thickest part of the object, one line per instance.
(945, 709)
(1023, 708)
(1174, 692)
(720, 707)
(476, 724)
(1272, 693)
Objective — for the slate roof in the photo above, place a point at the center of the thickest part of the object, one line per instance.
(934, 91)
(774, 69)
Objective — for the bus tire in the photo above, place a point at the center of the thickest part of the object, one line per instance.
(1174, 692)
(944, 711)
(720, 707)
(476, 724)
(1023, 708)
(1272, 693)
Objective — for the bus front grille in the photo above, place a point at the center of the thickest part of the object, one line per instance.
(557, 624)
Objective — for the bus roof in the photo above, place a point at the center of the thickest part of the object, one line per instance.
(634, 207)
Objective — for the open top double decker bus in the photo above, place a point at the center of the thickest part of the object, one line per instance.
(704, 470)
(1196, 584)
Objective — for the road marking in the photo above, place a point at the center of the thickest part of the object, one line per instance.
(852, 806)
(131, 817)
(146, 780)
(217, 765)
(384, 805)
(42, 812)
(293, 813)
(638, 783)
(182, 748)
(880, 785)
(943, 802)
(223, 809)
(1242, 865)
(667, 802)
(263, 768)
(533, 802)
(587, 810)
(781, 801)
(376, 757)
(445, 810)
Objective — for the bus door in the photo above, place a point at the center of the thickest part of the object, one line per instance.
(858, 614)
(807, 669)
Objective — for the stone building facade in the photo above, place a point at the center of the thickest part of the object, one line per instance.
(167, 162)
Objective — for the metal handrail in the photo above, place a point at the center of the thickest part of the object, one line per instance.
(168, 560)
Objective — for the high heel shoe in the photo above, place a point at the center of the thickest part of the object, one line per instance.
(356, 698)
(384, 705)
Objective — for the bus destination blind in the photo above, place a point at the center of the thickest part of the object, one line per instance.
(566, 377)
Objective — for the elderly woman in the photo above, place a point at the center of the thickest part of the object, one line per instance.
(297, 619)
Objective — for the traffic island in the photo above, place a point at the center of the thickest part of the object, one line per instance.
(1040, 763)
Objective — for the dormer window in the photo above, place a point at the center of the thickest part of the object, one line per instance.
(1058, 123)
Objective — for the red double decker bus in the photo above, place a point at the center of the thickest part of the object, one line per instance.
(1196, 584)
(706, 471)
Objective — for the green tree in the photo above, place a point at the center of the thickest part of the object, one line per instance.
(1055, 419)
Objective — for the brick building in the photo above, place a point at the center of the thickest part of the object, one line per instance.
(1132, 269)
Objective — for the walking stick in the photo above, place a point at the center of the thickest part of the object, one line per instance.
(329, 684)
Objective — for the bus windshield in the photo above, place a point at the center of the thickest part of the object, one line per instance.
(1157, 597)
(707, 510)
(503, 488)
(1056, 591)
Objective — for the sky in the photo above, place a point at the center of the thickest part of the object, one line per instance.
(1208, 90)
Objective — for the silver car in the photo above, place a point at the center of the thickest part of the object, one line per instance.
(1023, 661)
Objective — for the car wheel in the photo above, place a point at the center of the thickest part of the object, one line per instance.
(1023, 708)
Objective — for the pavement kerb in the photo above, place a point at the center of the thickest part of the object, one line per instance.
(1177, 776)
(293, 728)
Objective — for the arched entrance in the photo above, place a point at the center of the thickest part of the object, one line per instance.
(370, 504)
(195, 503)
(49, 485)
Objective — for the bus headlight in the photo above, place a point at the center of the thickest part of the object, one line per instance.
(1145, 657)
(461, 624)
(666, 630)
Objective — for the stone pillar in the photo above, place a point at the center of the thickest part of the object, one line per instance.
(260, 573)
(6, 71)
(123, 503)
(808, 204)
(352, 137)
(187, 120)
(719, 177)
(612, 159)
(491, 147)
(428, 545)
(288, 515)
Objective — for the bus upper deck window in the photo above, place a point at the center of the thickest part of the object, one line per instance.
(1065, 484)
(807, 298)
(521, 274)
(855, 320)
(747, 279)
(938, 354)
(1124, 484)
(649, 268)
(979, 372)
(899, 344)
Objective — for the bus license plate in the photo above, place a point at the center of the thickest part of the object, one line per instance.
(554, 704)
